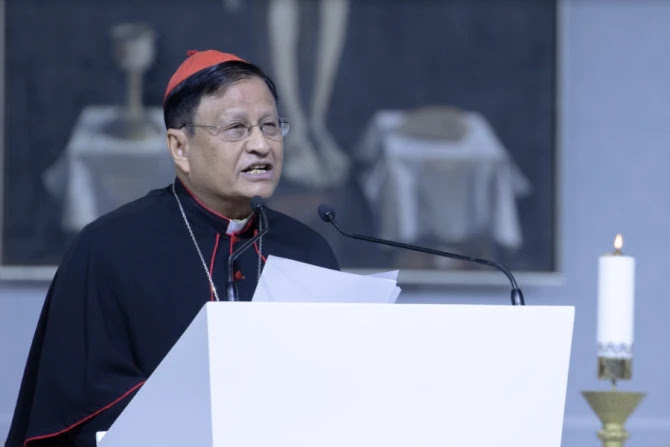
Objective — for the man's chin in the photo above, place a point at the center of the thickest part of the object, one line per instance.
(265, 191)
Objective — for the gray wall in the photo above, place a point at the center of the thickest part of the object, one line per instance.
(615, 134)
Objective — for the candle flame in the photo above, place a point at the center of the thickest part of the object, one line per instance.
(618, 242)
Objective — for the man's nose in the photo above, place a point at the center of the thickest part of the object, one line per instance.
(257, 141)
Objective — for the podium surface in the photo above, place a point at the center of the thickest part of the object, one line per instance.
(298, 374)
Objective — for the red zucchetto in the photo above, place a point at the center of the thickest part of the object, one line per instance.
(195, 62)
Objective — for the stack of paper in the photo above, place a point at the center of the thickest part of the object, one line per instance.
(285, 280)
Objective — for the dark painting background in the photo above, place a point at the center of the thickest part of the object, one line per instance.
(494, 57)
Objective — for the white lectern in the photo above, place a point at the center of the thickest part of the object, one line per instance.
(357, 375)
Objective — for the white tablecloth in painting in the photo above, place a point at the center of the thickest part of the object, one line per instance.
(450, 190)
(97, 173)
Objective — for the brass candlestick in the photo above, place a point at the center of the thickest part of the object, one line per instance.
(613, 408)
(614, 357)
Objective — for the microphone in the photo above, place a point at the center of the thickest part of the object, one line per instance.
(258, 205)
(327, 214)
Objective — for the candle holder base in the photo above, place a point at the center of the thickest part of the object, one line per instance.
(614, 368)
(613, 409)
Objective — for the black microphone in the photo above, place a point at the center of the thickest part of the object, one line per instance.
(327, 214)
(258, 205)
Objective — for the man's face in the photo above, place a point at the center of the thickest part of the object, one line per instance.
(227, 174)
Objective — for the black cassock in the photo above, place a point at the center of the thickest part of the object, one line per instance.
(126, 290)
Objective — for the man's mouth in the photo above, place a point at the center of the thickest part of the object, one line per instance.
(258, 168)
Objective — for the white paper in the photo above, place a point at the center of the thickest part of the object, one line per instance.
(392, 274)
(286, 280)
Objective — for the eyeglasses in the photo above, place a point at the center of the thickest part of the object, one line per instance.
(272, 129)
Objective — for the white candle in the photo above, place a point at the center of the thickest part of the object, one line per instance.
(616, 299)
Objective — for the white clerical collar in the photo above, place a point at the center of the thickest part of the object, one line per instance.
(237, 225)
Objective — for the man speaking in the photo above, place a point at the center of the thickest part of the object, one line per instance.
(133, 280)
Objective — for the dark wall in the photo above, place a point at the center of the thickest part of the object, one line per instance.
(495, 57)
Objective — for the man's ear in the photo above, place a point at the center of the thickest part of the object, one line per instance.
(178, 144)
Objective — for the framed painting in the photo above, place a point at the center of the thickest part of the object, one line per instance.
(430, 122)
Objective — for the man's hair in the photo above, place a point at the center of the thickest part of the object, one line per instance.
(182, 102)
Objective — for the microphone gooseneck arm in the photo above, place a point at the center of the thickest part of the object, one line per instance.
(258, 205)
(328, 216)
